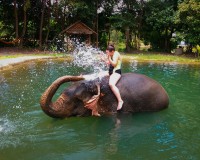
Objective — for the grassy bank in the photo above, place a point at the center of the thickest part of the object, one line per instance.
(139, 57)
(160, 58)
(7, 56)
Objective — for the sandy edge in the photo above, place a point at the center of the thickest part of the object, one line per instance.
(6, 63)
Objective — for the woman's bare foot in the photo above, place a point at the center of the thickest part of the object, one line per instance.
(120, 104)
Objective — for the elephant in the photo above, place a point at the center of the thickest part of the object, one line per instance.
(83, 97)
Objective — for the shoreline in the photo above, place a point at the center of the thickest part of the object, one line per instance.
(10, 62)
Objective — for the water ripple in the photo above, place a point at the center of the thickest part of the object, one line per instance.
(171, 134)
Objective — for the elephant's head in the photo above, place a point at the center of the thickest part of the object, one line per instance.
(72, 101)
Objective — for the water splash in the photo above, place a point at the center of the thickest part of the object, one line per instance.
(84, 56)
(7, 132)
(6, 126)
(88, 57)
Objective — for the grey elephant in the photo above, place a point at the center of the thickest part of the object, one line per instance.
(86, 97)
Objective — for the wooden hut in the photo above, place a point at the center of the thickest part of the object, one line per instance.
(81, 29)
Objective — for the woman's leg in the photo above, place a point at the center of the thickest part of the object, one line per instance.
(114, 78)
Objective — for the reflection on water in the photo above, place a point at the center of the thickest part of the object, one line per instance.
(26, 131)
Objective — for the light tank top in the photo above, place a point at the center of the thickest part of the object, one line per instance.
(119, 61)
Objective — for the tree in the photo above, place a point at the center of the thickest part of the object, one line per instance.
(26, 6)
(188, 19)
(105, 10)
(152, 21)
(16, 19)
(41, 22)
(128, 19)
(159, 24)
(7, 20)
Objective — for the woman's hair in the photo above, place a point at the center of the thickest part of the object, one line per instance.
(110, 48)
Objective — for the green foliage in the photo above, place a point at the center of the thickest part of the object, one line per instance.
(121, 47)
(117, 38)
(3, 32)
(103, 41)
(159, 24)
(128, 20)
(27, 5)
(152, 21)
(188, 17)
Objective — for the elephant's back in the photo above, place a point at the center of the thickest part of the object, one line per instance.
(142, 93)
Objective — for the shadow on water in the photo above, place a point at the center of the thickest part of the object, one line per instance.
(25, 131)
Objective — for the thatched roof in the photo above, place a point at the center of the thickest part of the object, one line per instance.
(78, 28)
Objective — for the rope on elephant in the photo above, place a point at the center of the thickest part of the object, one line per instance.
(92, 103)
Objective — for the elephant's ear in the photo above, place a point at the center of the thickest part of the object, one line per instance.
(82, 93)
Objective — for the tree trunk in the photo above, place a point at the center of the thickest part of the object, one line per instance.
(128, 49)
(166, 40)
(26, 6)
(49, 17)
(56, 11)
(138, 42)
(24, 27)
(16, 19)
(170, 44)
(41, 23)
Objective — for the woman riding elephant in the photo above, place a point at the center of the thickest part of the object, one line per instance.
(139, 92)
(114, 60)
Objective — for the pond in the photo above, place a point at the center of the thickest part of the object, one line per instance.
(27, 133)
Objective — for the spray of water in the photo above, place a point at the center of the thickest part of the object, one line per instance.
(89, 58)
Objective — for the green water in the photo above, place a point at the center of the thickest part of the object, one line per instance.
(26, 133)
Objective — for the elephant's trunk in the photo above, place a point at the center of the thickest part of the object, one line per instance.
(53, 109)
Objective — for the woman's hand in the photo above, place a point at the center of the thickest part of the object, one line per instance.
(114, 59)
(108, 53)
